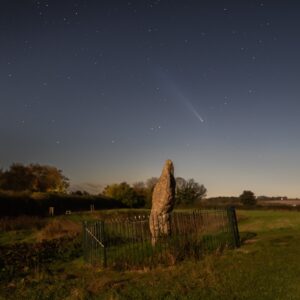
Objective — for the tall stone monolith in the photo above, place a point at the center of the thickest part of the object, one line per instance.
(163, 200)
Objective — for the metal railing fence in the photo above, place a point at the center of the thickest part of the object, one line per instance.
(126, 242)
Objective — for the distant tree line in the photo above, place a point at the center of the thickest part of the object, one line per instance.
(40, 185)
(37, 204)
(188, 192)
(20, 184)
(247, 198)
(222, 201)
(269, 198)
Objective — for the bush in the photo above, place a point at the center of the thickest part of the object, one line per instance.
(247, 198)
(188, 192)
(21, 259)
(124, 193)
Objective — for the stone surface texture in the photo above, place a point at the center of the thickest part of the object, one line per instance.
(163, 200)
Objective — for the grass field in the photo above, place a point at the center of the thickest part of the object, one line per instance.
(267, 266)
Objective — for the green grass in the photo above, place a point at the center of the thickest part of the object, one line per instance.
(27, 229)
(267, 266)
(16, 236)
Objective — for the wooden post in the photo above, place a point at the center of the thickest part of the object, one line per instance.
(51, 211)
(104, 243)
(84, 240)
(233, 226)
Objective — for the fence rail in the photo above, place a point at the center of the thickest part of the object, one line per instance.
(125, 242)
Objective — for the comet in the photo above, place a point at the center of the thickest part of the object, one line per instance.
(179, 95)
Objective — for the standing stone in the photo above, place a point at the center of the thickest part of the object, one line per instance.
(163, 200)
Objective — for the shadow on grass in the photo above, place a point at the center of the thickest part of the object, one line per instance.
(247, 235)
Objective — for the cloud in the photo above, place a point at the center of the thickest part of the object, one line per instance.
(92, 188)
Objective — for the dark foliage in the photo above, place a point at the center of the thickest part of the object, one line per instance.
(188, 192)
(145, 190)
(247, 198)
(15, 204)
(34, 178)
(124, 193)
(21, 259)
(222, 201)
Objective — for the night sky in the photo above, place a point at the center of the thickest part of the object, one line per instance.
(108, 90)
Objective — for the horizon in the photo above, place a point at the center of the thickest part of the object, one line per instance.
(95, 188)
(108, 91)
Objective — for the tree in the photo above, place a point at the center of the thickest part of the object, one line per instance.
(145, 189)
(188, 191)
(34, 178)
(1, 178)
(248, 198)
(139, 186)
(48, 179)
(17, 178)
(151, 182)
(180, 183)
(80, 193)
(124, 193)
(150, 185)
(140, 190)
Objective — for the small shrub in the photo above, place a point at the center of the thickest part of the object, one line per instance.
(19, 260)
(247, 198)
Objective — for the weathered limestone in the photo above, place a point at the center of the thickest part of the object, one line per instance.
(163, 200)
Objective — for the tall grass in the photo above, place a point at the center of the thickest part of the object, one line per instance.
(22, 223)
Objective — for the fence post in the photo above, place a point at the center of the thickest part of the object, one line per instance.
(104, 243)
(233, 226)
(84, 241)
